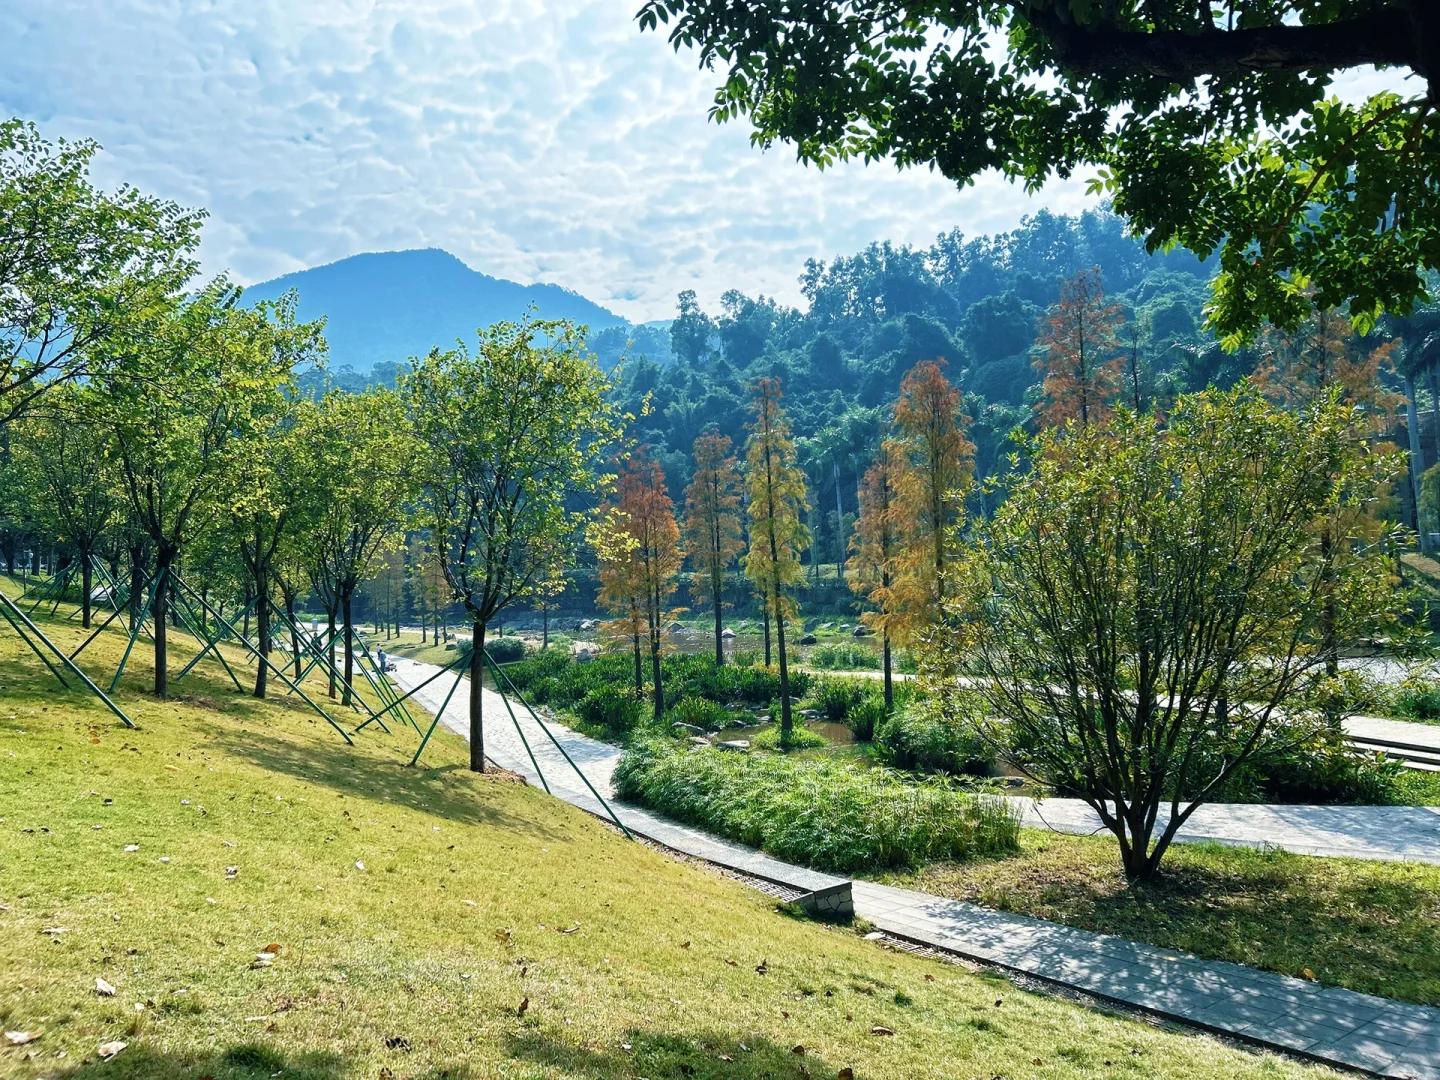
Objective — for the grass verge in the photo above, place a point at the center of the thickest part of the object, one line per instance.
(1369, 926)
(432, 923)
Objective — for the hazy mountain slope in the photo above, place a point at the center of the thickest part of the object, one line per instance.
(387, 306)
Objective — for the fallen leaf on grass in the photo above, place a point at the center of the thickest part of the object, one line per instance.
(20, 1038)
(878, 1030)
(386, 1074)
(685, 945)
(797, 1049)
(110, 1049)
(103, 988)
(1036, 1061)
(53, 930)
(572, 929)
(230, 872)
(272, 949)
(731, 963)
(130, 847)
(846, 1073)
(525, 1004)
(397, 1042)
(763, 967)
(929, 978)
(1308, 974)
(726, 1057)
(359, 865)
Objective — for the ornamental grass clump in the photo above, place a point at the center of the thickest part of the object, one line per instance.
(826, 814)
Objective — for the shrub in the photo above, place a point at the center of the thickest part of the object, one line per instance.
(844, 656)
(820, 812)
(920, 737)
(801, 738)
(834, 698)
(1418, 699)
(506, 650)
(865, 716)
(701, 713)
(1323, 769)
(613, 708)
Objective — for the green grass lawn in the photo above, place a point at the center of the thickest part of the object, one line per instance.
(1369, 926)
(433, 923)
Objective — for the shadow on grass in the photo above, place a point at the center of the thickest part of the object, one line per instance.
(699, 1055)
(244, 1061)
(450, 791)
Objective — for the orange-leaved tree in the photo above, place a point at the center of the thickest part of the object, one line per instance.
(611, 536)
(934, 473)
(876, 548)
(713, 534)
(1080, 354)
(775, 489)
(646, 502)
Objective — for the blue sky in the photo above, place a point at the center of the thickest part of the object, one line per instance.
(538, 140)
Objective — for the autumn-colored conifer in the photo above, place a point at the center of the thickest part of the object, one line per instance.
(1080, 354)
(775, 486)
(713, 534)
(876, 549)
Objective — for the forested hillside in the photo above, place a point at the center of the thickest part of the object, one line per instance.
(978, 304)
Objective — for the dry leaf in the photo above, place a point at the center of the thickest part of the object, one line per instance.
(1308, 974)
(998, 1001)
(1036, 1061)
(397, 1042)
(797, 1049)
(929, 978)
(110, 1049)
(20, 1038)
(103, 988)
(878, 1030)
(846, 1073)
(386, 1074)
(359, 865)
(572, 929)
(272, 949)
(732, 963)
(130, 847)
(525, 1004)
(726, 1057)
(685, 945)
(762, 967)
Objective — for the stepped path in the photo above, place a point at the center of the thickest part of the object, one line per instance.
(1385, 1037)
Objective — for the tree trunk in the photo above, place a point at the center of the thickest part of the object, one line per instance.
(787, 723)
(717, 582)
(544, 626)
(330, 646)
(158, 614)
(349, 650)
(262, 627)
(889, 678)
(294, 634)
(245, 623)
(639, 670)
(87, 582)
(1434, 375)
(1412, 421)
(477, 677)
(765, 617)
(839, 528)
(655, 669)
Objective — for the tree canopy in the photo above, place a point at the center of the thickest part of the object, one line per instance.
(1212, 126)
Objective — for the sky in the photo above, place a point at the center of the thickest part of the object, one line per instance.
(538, 140)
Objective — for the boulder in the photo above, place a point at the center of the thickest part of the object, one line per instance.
(807, 639)
(863, 631)
(727, 634)
(688, 729)
(739, 746)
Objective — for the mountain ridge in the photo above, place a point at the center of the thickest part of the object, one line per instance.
(386, 306)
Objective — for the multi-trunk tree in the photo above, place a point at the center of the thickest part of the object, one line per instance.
(714, 535)
(776, 502)
(514, 438)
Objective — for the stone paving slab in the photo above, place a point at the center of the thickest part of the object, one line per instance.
(1389, 1038)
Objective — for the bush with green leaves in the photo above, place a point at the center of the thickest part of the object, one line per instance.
(1418, 698)
(922, 737)
(1316, 767)
(615, 709)
(801, 738)
(701, 713)
(844, 656)
(824, 813)
(503, 650)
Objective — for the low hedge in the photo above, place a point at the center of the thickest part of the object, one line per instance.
(822, 813)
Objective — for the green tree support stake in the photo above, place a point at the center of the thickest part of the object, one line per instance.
(10, 610)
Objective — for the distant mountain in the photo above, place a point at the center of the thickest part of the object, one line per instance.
(387, 306)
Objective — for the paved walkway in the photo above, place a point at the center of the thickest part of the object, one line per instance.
(1341, 1027)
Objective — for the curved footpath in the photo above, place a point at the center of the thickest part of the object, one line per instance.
(1341, 1027)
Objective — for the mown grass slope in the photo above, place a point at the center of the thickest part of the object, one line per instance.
(432, 923)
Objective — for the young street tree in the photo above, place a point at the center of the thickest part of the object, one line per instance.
(1145, 611)
(359, 452)
(514, 438)
(714, 536)
(1211, 126)
(74, 492)
(1080, 354)
(187, 399)
(775, 490)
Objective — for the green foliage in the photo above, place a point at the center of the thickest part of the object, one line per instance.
(1418, 699)
(844, 656)
(801, 738)
(505, 650)
(836, 697)
(1320, 767)
(922, 738)
(821, 813)
(613, 708)
(701, 713)
(1196, 144)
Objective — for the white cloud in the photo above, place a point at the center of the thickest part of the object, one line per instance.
(536, 139)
